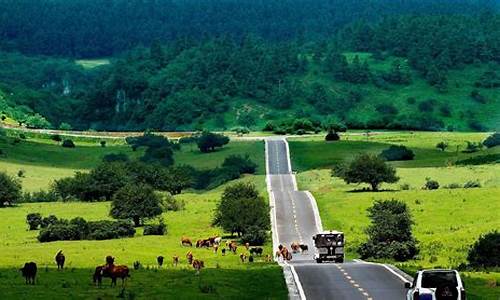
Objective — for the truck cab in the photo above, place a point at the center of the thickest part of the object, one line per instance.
(329, 246)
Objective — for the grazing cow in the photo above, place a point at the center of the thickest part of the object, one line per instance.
(114, 272)
(288, 256)
(233, 246)
(278, 254)
(110, 260)
(256, 251)
(203, 243)
(189, 257)
(98, 275)
(159, 259)
(60, 259)
(269, 258)
(243, 257)
(216, 248)
(29, 272)
(285, 254)
(198, 265)
(175, 260)
(247, 245)
(186, 242)
(217, 240)
(250, 259)
(223, 251)
(295, 247)
(304, 248)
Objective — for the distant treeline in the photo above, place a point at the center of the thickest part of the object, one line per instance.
(95, 28)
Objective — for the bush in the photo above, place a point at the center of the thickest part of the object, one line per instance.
(389, 235)
(472, 184)
(254, 236)
(484, 253)
(59, 232)
(105, 230)
(22, 136)
(41, 196)
(397, 153)
(68, 144)
(103, 144)
(208, 141)
(492, 141)
(476, 95)
(431, 184)
(65, 126)
(10, 190)
(50, 220)
(170, 203)
(115, 157)
(332, 136)
(155, 229)
(34, 220)
(21, 173)
(405, 187)
(453, 186)
(241, 163)
(442, 145)
(472, 147)
(56, 138)
(480, 160)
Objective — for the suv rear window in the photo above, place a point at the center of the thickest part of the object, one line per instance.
(436, 279)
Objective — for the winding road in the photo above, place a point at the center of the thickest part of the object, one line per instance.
(296, 218)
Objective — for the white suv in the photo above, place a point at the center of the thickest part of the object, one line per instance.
(436, 285)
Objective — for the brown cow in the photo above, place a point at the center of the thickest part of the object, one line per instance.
(295, 247)
(114, 272)
(60, 259)
(189, 257)
(243, 257)
(198, 265)
(216, 248)
(29, 272)
(175, 260)
(233, 246)
(98, 275)
(269, 258)
(203, 243)
(186, 242)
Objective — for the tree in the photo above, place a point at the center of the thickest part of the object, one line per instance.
(65, 126)
(332, 136)
(68, 144)
(442, 145)
(10, 190)
(208, 141)
(242, 163)
(175, 179)
(136, 202)
(37, 121)
(484, 253)
(390, 233)
(492, 141)
(367, 168)
(240, 208)
(107, 178)
(34, 220)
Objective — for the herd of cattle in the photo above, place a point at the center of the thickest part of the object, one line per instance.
(112, 271)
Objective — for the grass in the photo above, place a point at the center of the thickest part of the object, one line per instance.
(224, 277)
(44, 160)
(315, 153)
(447, 221)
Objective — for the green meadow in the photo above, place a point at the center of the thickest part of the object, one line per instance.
(447, 221)
(223, 276)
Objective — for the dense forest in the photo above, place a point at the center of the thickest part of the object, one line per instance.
(94, 28)
(427, 65)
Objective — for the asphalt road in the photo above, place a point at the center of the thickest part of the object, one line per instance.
(295, 222)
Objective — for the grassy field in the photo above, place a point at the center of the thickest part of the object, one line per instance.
(447, 221)
(224, 276)
(44, 160)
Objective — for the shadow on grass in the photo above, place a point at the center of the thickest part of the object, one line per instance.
(257, 281)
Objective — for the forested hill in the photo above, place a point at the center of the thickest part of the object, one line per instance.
(95, 28)
(428, 71)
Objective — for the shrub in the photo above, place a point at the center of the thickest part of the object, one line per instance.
(397, 153)
(332, 136)
(476, 95)
(59, 232)
(34, 220)
(484, 253)
(442, 145)
(103, 143)
(50, 220)
(22, 136)
(56, 138)
(68, 144)
(472, 147)
(390, 233)
(254, 236)
(115, 157)
(492, 141)
(269, 126)
(41, 196)
(21, 173)
(65, 126)
(170, 203)
(453, 186)
(472, 184)
(480, 160)
(431, 184)
(241, 163)
(208, 141)
(404, 187)
(10, 190)
(104, 230)
(155, 229)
